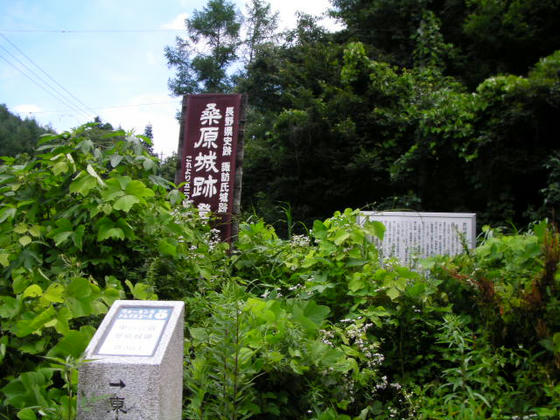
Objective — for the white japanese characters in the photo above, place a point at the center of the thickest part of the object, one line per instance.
(211, 127)
(209, 173)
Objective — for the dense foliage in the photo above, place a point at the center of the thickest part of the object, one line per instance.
(82, 223)
(17, 135)
(436, 105)
(423, 104)
(315, 326)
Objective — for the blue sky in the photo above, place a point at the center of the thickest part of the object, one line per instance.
(100, 57)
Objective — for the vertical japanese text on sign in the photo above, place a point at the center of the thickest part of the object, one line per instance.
(211, 129)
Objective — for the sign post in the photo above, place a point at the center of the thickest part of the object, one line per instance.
(135, 364)
(211, 154)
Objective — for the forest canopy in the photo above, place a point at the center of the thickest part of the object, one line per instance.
(416, 104)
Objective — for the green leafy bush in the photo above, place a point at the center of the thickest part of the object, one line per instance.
(82, 223)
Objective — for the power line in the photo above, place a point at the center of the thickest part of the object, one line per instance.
(42, 87)
(45, 73)
(92, 31)
(95, 110)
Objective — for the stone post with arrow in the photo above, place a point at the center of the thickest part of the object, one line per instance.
(134, 364)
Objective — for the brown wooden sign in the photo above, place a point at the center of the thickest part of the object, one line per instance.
(211, 128)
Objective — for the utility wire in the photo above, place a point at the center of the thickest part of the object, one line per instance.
(55, 95)
(46, 74)
(95, 110)
(92, 31)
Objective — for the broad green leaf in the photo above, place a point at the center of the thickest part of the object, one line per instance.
(83, 184)
(33, 291)
(20, 282)
(416, 290)
(309, 314)
(60, 168)
(141, 291)
(341, 236)
(54, 293)
(35, 231)
(20, 228)
(113, 189)
(275, 356)
(7, 213)
(139, 189)
(115, 160)
(25, 240)
(73, 343)
(26, 327)
(167, 248)
(26, 414)
(148, 164)
(393, 293)
(4, 259)
(319, 230)
(356, 283)
(375, 228)
(9, 306)
(108, 230)
(199, 334)
(61, 237)
(78, 235)
(79, 297)
(125, 203)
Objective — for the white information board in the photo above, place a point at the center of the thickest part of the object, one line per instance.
(423, 234)
(135, 331)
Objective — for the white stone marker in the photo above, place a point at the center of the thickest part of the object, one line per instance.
(136, 364)
(413, 234)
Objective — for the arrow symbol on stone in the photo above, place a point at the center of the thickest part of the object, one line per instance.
(119, 384)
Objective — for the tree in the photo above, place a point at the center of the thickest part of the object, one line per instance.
(260, 27)
(147, 140)
(17, 135)
(210, 48)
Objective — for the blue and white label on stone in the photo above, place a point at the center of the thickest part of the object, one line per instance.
(134, 331)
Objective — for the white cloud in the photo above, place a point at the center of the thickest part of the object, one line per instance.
(178, 23)
(288, 12)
